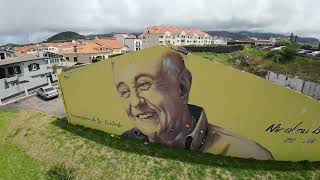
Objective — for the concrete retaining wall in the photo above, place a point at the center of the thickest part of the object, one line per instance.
(306, 87)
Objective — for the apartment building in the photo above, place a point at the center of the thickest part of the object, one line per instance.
(23, 73)
(161, 35)
(131, 41)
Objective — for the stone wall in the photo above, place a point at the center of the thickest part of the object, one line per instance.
(214, 49)
(306, 87)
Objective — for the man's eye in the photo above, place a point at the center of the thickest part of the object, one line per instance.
(144, 85)
(124, 93)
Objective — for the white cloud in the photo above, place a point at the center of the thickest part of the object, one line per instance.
(42, 18)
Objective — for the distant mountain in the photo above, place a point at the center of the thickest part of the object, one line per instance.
(108, 35)
(92, 36)
(9, 46)
(65, 36)
(246, 34)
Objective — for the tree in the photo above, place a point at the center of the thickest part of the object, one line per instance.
(292, 37)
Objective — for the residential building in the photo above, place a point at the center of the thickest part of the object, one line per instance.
(131, 41)
(95, 50)
(219, 41)
(261, 42)
(23, 73)
(161, 35)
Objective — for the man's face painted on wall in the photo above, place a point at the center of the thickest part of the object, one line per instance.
(150, 94)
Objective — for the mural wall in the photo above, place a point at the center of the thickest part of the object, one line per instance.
(163, 96)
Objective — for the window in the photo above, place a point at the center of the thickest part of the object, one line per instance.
(34, 67)
(2, 56)
(14, 70)
(160, 36)
(67, 58)
(2, 73)
(8, 55)
(75, 59)
(51, 61)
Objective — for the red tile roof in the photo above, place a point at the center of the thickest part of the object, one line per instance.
(173, 30)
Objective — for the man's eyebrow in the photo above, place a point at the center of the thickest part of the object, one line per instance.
(143, 75)
(120, 83)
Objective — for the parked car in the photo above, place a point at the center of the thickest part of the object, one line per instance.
(315, 53)
(278, 48)
(304, 52)
(47, 92)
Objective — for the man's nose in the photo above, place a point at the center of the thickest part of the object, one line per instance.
(136, 99)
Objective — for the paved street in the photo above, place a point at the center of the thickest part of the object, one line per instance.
(52, 107)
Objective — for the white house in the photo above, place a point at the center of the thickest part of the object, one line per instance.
(219, 41)
(22, 74)
(131, 41)
(161, 35)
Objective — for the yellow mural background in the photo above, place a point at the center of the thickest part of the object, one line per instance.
(235, 100)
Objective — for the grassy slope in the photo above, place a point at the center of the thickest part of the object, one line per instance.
(307, 68)
(14, 162)
(51, 147)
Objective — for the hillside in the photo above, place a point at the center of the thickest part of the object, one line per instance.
(246, 34)
(34, 145)
(65, 36)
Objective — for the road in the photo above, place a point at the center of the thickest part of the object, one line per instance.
(53, 107)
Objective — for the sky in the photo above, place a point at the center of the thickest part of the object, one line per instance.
(25, 21)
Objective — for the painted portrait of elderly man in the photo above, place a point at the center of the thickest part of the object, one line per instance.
(155, 91)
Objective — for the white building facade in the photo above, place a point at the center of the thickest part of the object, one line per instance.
(131, 41)
(22, 74)
(162, 35)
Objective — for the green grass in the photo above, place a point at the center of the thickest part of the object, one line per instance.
(41, 147)
(14, 162)
(307, 68)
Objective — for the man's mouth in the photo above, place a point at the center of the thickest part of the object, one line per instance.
(146, 115)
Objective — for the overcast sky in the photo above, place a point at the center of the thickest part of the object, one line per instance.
(42, 18)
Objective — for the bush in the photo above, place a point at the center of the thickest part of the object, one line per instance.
(289, 52)
(95, 60)
(284, 55)
(61, 172)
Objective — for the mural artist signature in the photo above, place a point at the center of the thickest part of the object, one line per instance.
(294, 130)
(98, 120)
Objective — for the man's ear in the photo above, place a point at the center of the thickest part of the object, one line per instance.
(185, 86)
